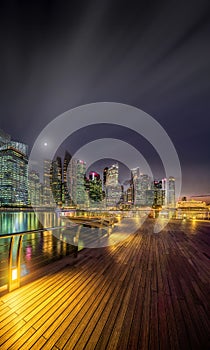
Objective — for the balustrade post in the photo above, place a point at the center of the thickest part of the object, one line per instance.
(14, 270)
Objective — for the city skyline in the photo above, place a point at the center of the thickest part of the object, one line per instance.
(68, 182)
(55, 173)
(59, 56)
(104, 174)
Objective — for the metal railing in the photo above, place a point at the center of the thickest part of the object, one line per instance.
(25, 252)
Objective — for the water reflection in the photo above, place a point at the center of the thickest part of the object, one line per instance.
(38, 248)
(11, 222)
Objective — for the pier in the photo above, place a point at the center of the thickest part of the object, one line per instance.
(149, 291)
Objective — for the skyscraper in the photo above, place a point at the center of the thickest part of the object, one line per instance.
(145, 184)
(105, 175)
(140, 183)
(112, 176)
(47, 180)
(56, 180)
(76, 182)
(94, 188)
(159, 193)
(34, 188)
(65, 191)
(14, 174)
(171, 192)
(113, 188)
(135, 173)
(165, 188)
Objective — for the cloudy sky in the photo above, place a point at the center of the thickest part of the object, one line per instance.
(57, 55)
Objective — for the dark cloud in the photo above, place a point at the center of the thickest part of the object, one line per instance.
(155, 55)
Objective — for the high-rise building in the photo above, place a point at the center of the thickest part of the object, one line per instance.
(14, 174)
(150, 194)
(76, 183)
(94, 188)
(145, 182)
(113, 188)
(165, 188)
(159, 194)
(171, 192)
(140, 183)
(129, 195)
(66, 180)
(81, 195)
(112, 176)
(56, 181)
(135, 173)
(34, 188)
(47, 180)
(105, 175)
(113, 195)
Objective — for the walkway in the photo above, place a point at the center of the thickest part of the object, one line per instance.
(147, 292)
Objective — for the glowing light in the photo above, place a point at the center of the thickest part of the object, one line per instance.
(45, 144)
(14, 274)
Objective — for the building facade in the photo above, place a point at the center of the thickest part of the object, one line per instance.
(56, 181)
(113, 189)
(34, 189)
(76, 183)
(14, 174)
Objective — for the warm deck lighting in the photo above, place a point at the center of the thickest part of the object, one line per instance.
(14, 274)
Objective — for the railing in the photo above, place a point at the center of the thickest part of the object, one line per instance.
(25, 252)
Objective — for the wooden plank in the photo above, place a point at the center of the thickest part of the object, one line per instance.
(149, 291)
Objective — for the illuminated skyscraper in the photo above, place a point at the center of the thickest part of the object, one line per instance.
(112, 175)
(171, 192)
(145, 184)
(140, 183)
(65, 190)
(159, 194)
(165, 188)
(135, 173)
(129, 195)
(14, 174)
(34, 188)
(56, 180)
(76, 183)
(113, 188)
(105, 175)
(47, 180)
(94, 188)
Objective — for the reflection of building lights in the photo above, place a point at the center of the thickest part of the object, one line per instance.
(28, 253)
(14, 274)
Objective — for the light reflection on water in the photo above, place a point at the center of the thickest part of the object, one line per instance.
(11, 222)
(38, 248)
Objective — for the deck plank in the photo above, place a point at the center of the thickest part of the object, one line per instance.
(147, 292)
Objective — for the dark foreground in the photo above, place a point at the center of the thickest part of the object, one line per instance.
(148, 292)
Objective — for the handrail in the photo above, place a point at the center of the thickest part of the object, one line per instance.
(8, 235)
(14, 267)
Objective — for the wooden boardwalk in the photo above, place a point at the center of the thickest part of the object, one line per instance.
(148, 292)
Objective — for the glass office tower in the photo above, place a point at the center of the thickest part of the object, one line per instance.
(13, 174)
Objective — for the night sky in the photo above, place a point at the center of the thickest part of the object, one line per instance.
(57, 55)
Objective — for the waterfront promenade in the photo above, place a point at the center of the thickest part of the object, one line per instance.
(149, 291)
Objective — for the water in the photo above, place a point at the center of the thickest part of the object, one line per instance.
(38, 248)
(11, 222)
